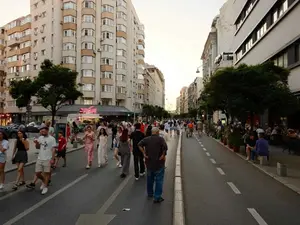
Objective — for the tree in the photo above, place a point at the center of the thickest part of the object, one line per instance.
(55, 86)
(248, 90)
(193, 112)
(22, 91)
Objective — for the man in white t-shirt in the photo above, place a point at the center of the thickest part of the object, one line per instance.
(46, 144)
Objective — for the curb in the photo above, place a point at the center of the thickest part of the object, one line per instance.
(34, 161)
(275, 177)
(178, 210)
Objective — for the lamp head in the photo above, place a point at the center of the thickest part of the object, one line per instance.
(197, 71)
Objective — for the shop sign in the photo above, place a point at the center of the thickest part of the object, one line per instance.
(90, 110)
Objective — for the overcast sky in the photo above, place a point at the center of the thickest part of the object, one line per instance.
(175, 30)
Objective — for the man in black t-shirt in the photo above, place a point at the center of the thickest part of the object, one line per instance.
(250, 144)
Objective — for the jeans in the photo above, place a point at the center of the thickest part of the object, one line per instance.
(139, 164)
(255, 153)
(156, 177)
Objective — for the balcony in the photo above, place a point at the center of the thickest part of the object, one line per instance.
(141, 52)
(121, 96)
(141, 42)
(13, 42)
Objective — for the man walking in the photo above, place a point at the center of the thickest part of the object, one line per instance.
(138, 157)
(154, 149)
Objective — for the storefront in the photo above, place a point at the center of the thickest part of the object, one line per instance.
(5, 118)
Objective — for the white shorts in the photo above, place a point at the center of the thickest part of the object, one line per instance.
(43, 166)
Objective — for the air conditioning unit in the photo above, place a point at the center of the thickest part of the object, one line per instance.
(41, 15)
(35, 33)
(16, 38)
(42, 30)
(35, 57)
(16, 73)
(24, 61)
(99, 50)
(61, 22)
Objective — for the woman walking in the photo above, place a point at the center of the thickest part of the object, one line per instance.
(20, 157)
(102, 148)
(125, 152)
(3, 148)
(116, 144)
(89, 138)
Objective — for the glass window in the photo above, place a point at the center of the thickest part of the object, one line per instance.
(121, 90)
(87, 73)
(88, 32)
(121, 65)
(106, 61)
(106, 88)
(121, 52)
(87, 59)
(108, 22)
(121, 77)
(121, 15)
(89, 4)
(275, 16)
(121, 28)
(69, 46)
(69, 5)
(107, 35)
(107, 48)
(69, 60)
(88, 45)
(88, 19)
(121, 40)
(69, 19)
(121, 3)
(285, 60)
(88, 87)
(69, 33)
(107, 75)
(107, 8)
(87, 101)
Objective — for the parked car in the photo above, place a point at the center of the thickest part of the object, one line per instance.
(10, 131)
(33, 127)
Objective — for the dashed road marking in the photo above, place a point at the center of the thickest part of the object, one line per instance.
(220, 171)
(207, 153)
(234, 188)
(257, 217)
(213, 161)
(204, 149)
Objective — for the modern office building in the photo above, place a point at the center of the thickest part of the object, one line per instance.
(154, 90)
(103, 40)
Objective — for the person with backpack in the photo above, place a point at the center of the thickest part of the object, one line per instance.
(148, 130)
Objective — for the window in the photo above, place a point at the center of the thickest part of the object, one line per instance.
(69, 33)
(35, 67)
(262, 31)
(88, 32)
(87, 59)
(88, 87)
(121, 40)
(106, 75)
(121, 52)
(121, 65)
(108, 22)
(87, 73)
(121, 27)
(121, 15)
(26, 20)
(121, 77)
(275, 16)
(283, 8)
(43, 39)
(88, 101)
(88, 19)
(25, 33)
(107, 35)
(107, 48)
(121, 90)
(43, 52)
(25, 44)
(246, 11)
(69, 19)
(69, 5)
(121, 3)
(25, 68)
(107, 8)
(89, 4)
(69, 60)
(106, 61)
(106, 88)
(239, 55)
(88, 45)
(249, 44)
(69, 46)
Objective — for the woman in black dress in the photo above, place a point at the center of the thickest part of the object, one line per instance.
(20, 157)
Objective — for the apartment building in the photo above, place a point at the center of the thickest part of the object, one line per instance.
(154, 90)
(103, 40)
(184, 100)
(178, 105)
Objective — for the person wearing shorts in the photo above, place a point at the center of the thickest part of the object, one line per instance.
(61, 149)
(46, 144)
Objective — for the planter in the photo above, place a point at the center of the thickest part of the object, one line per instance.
(222, 139)
(236, 148)
(225, 141)
(230, 146)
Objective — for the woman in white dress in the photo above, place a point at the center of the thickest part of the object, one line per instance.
(102, 148)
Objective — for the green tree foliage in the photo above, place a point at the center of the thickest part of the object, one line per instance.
(248, 90)
(22, 91)
(154, 111)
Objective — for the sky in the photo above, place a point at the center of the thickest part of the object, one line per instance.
(175, 32)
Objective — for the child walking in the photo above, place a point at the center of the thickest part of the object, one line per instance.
(102, 148)
(61, 149)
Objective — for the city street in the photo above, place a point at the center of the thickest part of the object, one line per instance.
(222, 189)
(76, 191)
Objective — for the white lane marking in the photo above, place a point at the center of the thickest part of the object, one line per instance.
(234, 188)
(207, 153)
(257, 217)
(220, 171)
(39, 204)
(213, 161)
(20, 189)
(204, 149)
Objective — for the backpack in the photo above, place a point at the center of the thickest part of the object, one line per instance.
(149, 131)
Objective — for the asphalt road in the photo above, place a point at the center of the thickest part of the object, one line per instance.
(222, 189)
(75, 191)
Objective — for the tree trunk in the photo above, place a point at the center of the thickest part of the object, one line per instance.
(53, 114)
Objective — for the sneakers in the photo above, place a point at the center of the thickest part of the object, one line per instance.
(136, 178)
(142, 174)
(44, 190)
(1, 187)
(119, 164)
(87, 167)
(159, 200)
(42, 186)
(31, 185)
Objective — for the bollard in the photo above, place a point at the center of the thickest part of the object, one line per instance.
(75, 144)
(281, 169)
(263, 161)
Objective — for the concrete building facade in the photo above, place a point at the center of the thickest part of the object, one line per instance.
(183, 100)
(178, 105)
(154, 90)
(103, 40)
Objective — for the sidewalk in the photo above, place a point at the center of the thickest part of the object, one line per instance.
(292, 162)
(32, 153)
